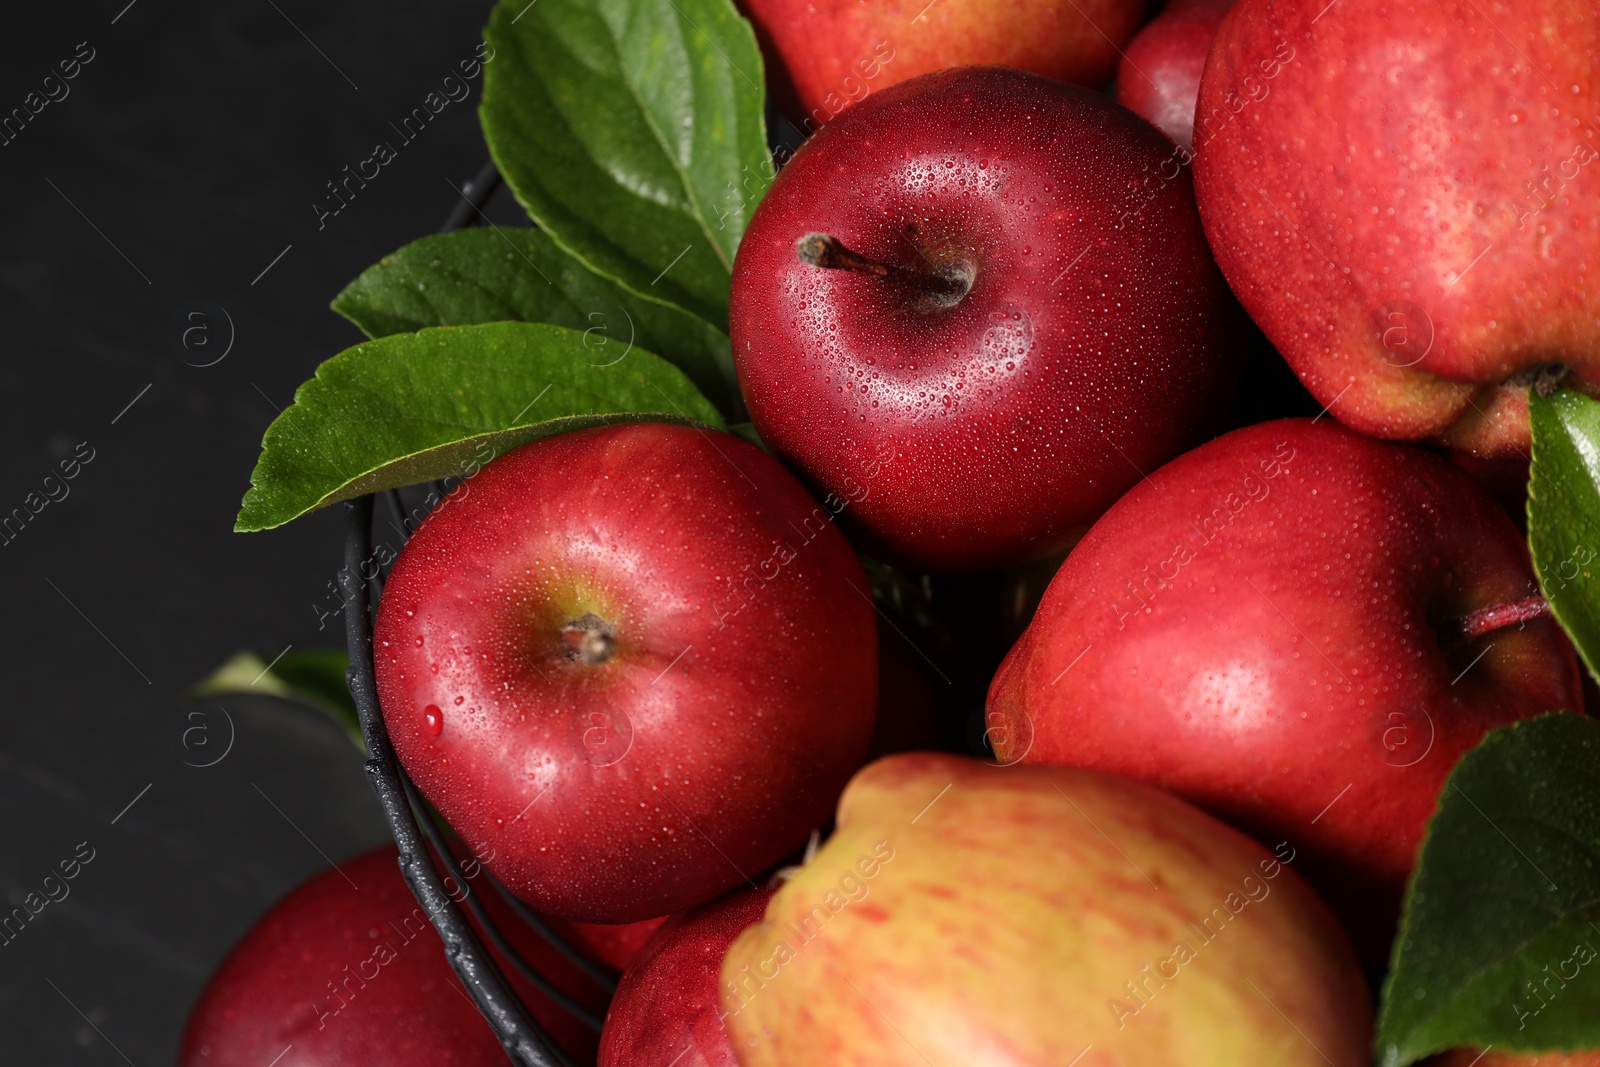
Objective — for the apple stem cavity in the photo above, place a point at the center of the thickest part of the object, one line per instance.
(826, 251)
(589, 639)
(1486, 620)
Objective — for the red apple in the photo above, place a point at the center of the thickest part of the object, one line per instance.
(631, 665)
(347, 971)
(1025, 315)
(1405, 197)
(615, 945)
(1471, 1058)
(824, 55)
(1301, 630)
(1040, 917)
(1159, 75)
(667, 1010)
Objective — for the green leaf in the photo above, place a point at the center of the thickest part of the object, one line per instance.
(443, 402)
(632, 131)
(1564, 513)
(315, 677)
(519, 275)
(1500, 942)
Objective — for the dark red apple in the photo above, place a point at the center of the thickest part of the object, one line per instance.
(824, 55)
(1024, 315)
(668, 1008)
(615, 945)
(1406, 197)
(346, 971)
(1301, 630)
(631, 665)
(1159, 75)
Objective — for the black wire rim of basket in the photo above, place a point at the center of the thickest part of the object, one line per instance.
(410, 822)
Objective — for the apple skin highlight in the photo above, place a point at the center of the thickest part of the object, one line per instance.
(1270, 627)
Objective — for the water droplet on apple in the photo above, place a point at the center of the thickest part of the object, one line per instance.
(434, 719)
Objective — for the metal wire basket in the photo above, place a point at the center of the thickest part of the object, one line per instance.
(412, 824)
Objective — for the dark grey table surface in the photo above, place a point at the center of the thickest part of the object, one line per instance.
(180, 164)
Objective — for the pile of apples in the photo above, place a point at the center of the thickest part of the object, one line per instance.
(984, 318)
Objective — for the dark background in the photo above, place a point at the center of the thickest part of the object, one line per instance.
(186, 156)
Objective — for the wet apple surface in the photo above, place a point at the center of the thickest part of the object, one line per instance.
(1159, 76)
(1285, 626)
(668, 1006)
(1071, 329)
(631, 665)
(1404, 198)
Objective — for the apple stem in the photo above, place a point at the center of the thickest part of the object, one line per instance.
(589, 639)
(825, 250)
(1474, 624)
